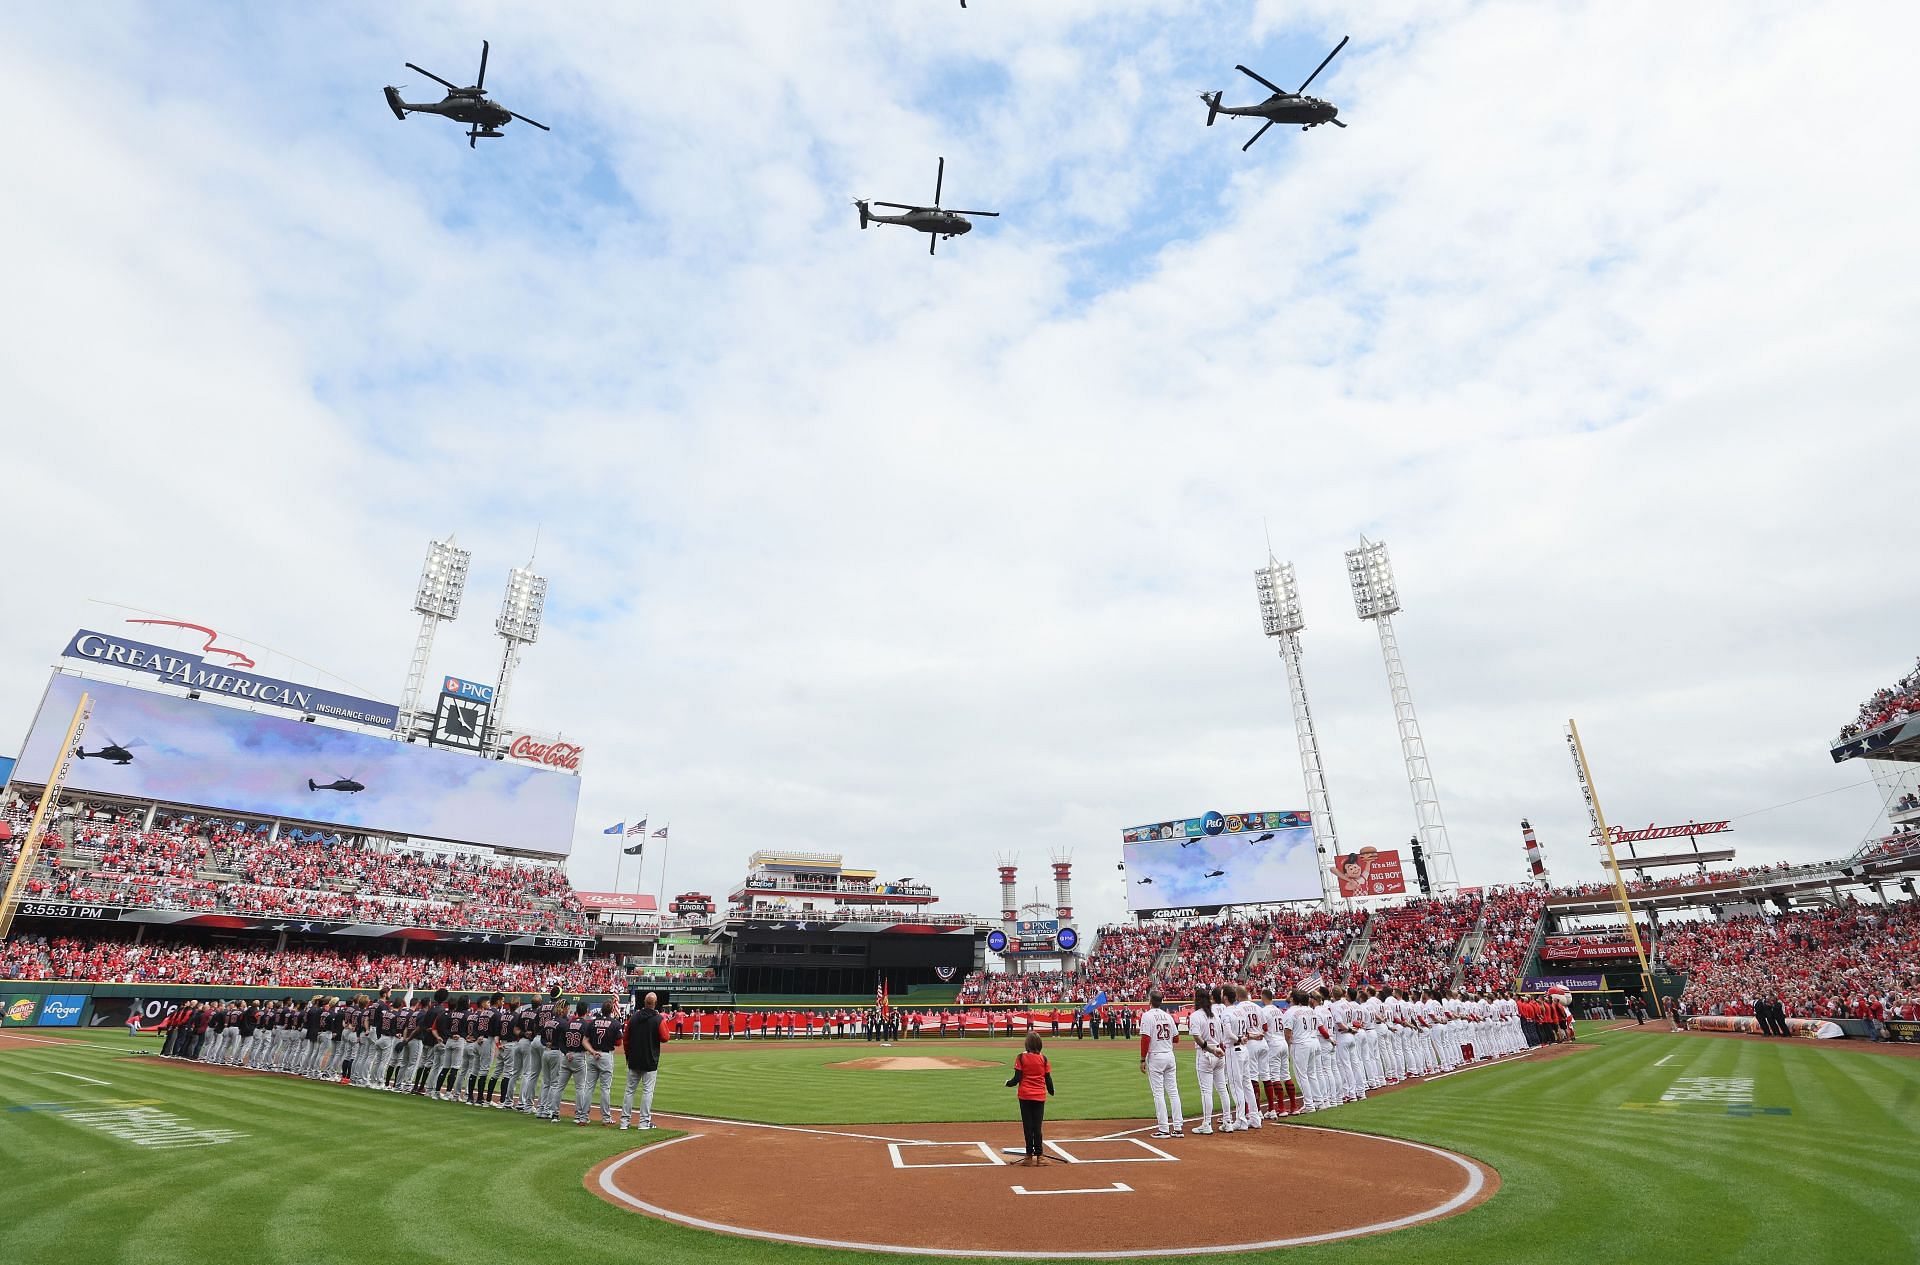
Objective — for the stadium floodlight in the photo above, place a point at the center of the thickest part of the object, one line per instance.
(518, 625)
(1280, 617)
(1376, 597)
(1279, 598)
(443, 580)
(1370, 572)
(521, 609)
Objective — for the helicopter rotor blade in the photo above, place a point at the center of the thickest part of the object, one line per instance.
(524, 119)
(429, 74)
(995, 214)
(1257, 135)
(902, 206)
(1323, 65)
(1336, 122)
(473, 136)
(939, 179)
(481, 82)
(933, 239)
(1262, 79)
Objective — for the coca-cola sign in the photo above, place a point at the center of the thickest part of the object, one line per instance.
(556, 755)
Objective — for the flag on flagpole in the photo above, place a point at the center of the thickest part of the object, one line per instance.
(660, 833)
(1099, 1000)
(880, 998)
(1312, 982)
(638, 828)
(635, 849)
(618, 827)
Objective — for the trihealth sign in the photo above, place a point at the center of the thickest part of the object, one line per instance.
(191, 671)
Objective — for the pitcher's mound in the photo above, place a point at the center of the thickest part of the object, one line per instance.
(912, 1063)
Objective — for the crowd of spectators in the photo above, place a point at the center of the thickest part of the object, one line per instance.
(231, 867)
(1900, 699)
(177, 962)
(1511, 922)
(1415, 945)
(1826, 963)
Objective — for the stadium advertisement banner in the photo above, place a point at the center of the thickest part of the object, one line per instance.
(1569, 948)
(1221, 859)
(618, 902)
(1572, 983)
(154, 746)
(1037, 928)
(192, 671)
(17, 1011)
(1906, 1030)
(1370, 872)
(62, 1011)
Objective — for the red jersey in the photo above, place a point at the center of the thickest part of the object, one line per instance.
(1032, 1069)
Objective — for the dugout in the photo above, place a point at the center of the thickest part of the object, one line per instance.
(822, 959)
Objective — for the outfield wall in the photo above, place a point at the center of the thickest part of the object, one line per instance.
(109, 1004)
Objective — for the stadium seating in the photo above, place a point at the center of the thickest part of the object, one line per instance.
(1827, 963)
(228, 868)
(121, 961)
(1900, 699)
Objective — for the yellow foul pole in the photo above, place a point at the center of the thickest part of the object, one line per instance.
(1599, 819)
(23, 864)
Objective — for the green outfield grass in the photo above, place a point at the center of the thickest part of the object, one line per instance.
(328, 1174)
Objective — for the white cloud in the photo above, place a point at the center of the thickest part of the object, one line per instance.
(1597, 315)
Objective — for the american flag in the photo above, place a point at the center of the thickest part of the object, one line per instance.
(1312, 982)
(638, 829)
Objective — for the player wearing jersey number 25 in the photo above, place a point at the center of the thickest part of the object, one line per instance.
(1158, 1035)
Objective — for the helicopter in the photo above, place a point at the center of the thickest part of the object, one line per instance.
(346, 784)
(1282, 106)
(1142, 882)
(115, 751)
(465, 105)
(1262, 838)
(1215, 874)
(926, 219)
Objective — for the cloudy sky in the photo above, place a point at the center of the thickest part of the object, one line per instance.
(1594, 314)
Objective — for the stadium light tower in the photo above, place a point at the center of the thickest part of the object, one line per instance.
(518, 625)
(1280, 617)
(443, 579)
(1375, 597)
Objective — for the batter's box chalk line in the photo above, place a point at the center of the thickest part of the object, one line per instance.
(1155, 1154)
(979, 1155)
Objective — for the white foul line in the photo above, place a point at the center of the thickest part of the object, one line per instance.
(1118, 1188)
(72, 1077)
(1662, 1062)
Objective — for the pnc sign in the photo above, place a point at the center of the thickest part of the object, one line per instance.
(471, 691)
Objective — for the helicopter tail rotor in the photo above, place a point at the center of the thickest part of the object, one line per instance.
(395, 104)
(866, 216)
(1213, 105)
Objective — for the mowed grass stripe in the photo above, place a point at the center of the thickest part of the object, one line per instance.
(344, 1175)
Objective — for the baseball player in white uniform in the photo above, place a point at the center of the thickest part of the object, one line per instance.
(1279, 1068)
(1253, 1053)
(1209, 1060)
(1158, 1035)
(1233, 1035)
(1303, 1047)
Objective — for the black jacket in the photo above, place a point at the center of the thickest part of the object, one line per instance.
(643, 1040)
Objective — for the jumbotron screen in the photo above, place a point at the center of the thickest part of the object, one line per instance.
(1221, 859)
(154, 746)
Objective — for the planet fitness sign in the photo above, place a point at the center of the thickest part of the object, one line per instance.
(193, 672)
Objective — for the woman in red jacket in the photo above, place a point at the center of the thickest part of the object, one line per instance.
(1034, 1078)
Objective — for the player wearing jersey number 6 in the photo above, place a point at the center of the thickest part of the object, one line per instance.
(1209, 1059)
(1158, 1035)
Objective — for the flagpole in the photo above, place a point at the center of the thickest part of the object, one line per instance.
(664, 843)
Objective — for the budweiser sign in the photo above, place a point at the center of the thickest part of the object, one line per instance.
(558, 755)
(1651, 832)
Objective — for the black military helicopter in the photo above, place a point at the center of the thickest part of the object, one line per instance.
(115, 751)
(346, 784)
(1143, 882)
(1215, 874)
(1282, 106)
(926, 219)
(466, 105)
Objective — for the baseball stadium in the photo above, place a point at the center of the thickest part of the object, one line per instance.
(251, 1018)
(880, 820)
